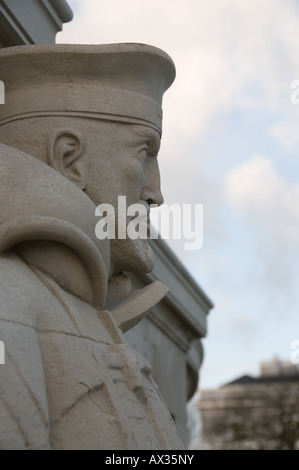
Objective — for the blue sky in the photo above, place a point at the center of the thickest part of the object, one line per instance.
(230, 142)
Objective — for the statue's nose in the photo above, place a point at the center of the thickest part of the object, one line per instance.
(152, 189)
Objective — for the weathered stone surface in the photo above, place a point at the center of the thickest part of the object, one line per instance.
(81, 126)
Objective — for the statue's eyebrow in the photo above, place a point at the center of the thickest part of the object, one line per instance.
(152, 138)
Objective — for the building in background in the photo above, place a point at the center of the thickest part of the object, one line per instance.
(32, 21)
(170, 336)
(259, 413)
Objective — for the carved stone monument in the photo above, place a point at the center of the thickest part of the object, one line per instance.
(81, 125)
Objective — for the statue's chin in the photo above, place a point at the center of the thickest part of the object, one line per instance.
(131, 255)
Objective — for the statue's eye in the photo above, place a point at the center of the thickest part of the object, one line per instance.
(142, 153)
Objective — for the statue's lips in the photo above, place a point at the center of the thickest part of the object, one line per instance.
(134, 216)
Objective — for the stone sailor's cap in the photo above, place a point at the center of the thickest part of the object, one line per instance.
(118, 82)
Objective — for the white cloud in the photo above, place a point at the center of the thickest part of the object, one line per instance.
(228, 53)
(269, 206)
(285, 131)
(256, 189)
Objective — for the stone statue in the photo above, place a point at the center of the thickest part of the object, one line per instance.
(81, 125)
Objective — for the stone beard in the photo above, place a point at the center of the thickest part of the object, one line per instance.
(70, 380)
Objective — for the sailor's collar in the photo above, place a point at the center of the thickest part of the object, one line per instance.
(37, 203)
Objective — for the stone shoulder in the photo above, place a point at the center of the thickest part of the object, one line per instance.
(24, 298)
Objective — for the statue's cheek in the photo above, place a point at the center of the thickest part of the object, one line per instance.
(135, 174)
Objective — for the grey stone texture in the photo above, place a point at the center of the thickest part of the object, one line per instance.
(71, 139)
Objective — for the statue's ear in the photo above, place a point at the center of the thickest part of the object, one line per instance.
(65, 148)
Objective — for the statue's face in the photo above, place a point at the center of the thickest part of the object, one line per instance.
(128, 168)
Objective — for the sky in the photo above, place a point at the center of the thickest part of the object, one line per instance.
(230, 142)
